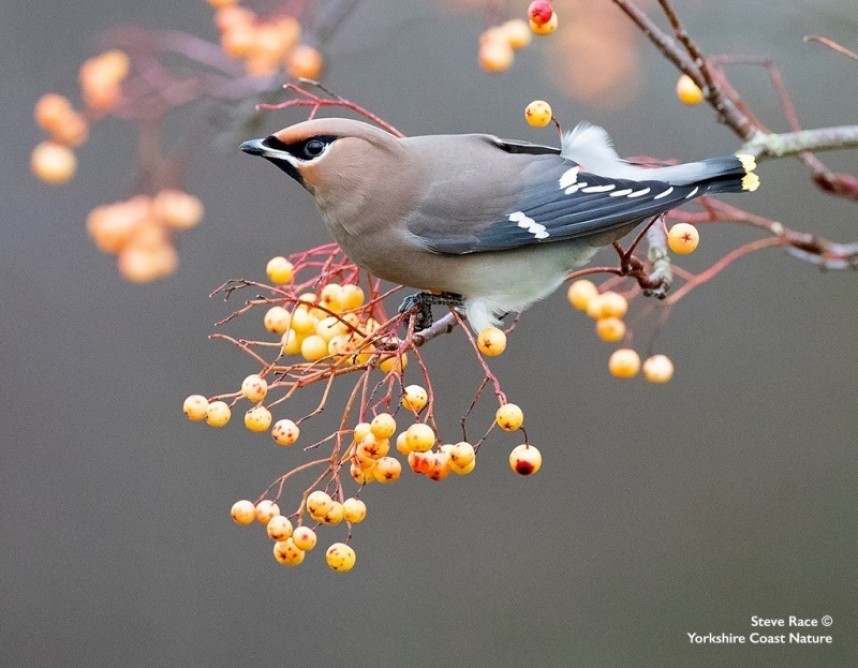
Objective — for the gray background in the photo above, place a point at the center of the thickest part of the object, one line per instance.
(730, 492)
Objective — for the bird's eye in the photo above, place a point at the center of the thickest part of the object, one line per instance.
(314, 148)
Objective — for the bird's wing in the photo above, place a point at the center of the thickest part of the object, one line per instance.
(533, 199)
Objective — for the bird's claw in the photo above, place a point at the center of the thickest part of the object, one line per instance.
(421, 305)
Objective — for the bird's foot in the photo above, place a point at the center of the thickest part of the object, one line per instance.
(421, 305)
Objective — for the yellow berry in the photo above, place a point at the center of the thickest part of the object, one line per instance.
(290, 342)
(303, 322)
(462, 469)
(265, 510)
(277, 320)
(287, 553)
(402, 446)
(334, 515)
(439, 466)
(607, 305)
(351, 297)
(305, 62)
(538, 113)
(354, 510)
(624, 363)
(509, 417)
(279, 270)
(495, 56)
(383, 425)
(491, 341)
(196, 407)
(330, 327)
(52, 111)
(340, 557)
(304, 538)
(285, 432)
(517, 33)
(610, 329)
(581, 292)
(257, 419)
(254, 388)
(279, 528)
(414, 398)
(218, 414)
(546, 28)
(687, 91)
(360, 475)
(525, 459)
(462, 454)
(177, 209)
(387, 469)
(243, 512)
(658, 369)
(683, 238)
(53, 163)
(319, 503)
(420, 437)
(314, 348)
(331, 297)
(393, 363)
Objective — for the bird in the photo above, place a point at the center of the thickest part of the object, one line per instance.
(487, 225)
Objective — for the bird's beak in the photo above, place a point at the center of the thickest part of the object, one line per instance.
(253, 146)
(282, 159)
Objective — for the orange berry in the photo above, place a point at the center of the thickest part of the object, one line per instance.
(581, 292)
(279, 270)
(387, 469)
(610, 329)
(53, 163)
(279, 528)
(340, 557)
(414, 398)
(138, 265)
(608, 305)
(683, 238)
(658, 369)
(177, 209)
(354, 510)
(287, 553)
(624, 363)
(305, 62)
(254, 387)
(285, 432)
(230, 16)
(495, 56)
(243, 512)
(304, 538)
(546, 28)
(257, 419)
(517, 33)
(217, 4)
(687, 91)
(266, 510)
(51, 111)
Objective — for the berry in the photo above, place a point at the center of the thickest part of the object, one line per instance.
(361, 430)
(195, 407)
(290, 343)
(331, 297)
(285, 432)
(687, 91)
(304, 538)
(330, 327)
(517, 33)
(354, 510)
(624, 363)
(334, 515)
(509, 417)
(53, 163)
(538, 113)
(658, 369)
(491, 342)
(243, 512)
(495, 56)
(257, 419)
(414, 398)
(610, 329)
(52, 111)
(683, 238)
(402, 446)
(462, 454)
(525, 459)
(279, 528)
(581, 293)
(305, 62)
(279, 270)
(319, 503)
(462, 470)
(439, 466)
(266, 510)
(383, 426)
(359, 475)
(420, 437)
(314, 347)
(277, 320)
(393, 363)
(340, 557)
(351, 297)
(608, 305)
(303, 322)
(540, 11)
(218, 414)
(387, 469)
(543, 29)
(254, 388)
(177, 209)
(287, 553)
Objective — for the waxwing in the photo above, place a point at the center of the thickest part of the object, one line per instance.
(492, 224)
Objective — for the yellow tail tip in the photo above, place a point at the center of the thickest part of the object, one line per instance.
(750, 182)
(748, 161)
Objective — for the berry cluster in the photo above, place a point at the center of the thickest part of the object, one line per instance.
(266, 46)
(498, 44)
(327, 326)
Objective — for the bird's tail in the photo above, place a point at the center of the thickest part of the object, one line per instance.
(727, 174)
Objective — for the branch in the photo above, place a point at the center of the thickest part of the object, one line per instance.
(764, 146)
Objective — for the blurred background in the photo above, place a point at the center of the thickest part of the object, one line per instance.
(659, 510)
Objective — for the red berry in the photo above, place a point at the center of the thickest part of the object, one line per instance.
(540, 11)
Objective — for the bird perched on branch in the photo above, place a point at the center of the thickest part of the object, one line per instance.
(490, 225)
